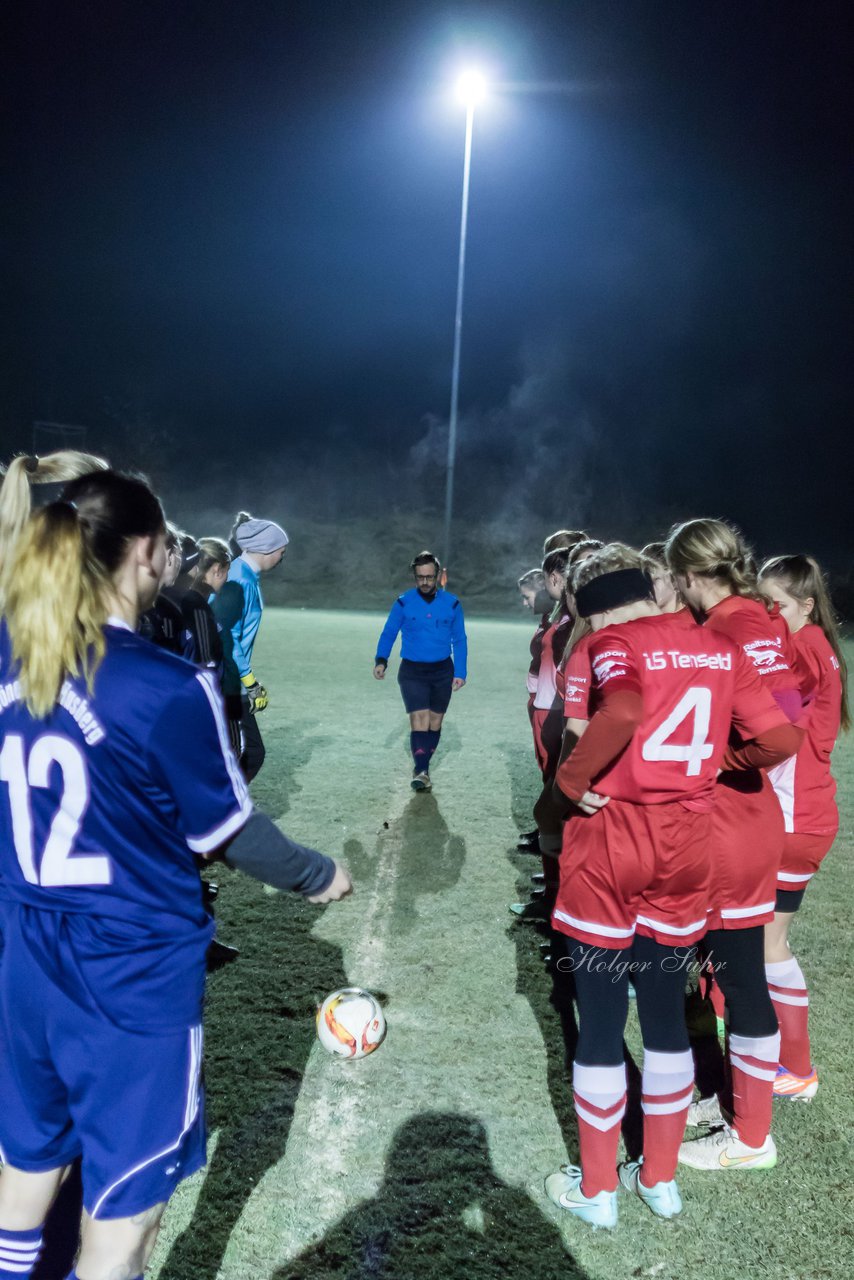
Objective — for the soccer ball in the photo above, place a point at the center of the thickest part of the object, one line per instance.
(350, 1023)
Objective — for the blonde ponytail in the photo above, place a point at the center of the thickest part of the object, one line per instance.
(713, 549)
(23, 472)
(56, 631)
(57, 583)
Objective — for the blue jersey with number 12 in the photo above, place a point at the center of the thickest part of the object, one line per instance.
(103, 805)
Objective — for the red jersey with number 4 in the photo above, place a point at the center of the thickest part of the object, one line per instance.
(695, 686)
(804, 784)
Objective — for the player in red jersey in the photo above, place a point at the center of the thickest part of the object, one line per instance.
(547, 717)
(666, 593)
(714, 572)
(806, 790)
(635, 864)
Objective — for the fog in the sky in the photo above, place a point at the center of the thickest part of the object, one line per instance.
(231, 252)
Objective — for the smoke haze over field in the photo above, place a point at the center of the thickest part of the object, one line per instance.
(232, 255)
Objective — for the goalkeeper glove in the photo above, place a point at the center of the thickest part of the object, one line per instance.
(257, 694)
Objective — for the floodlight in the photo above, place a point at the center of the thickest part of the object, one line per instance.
(471, 88)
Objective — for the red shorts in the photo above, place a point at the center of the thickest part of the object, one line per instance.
(747, 845)
(547, 726)
(635, 868)
(802, 857)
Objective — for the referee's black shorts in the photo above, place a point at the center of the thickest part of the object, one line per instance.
(426, 686)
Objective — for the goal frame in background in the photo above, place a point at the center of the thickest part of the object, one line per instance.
(48, 437)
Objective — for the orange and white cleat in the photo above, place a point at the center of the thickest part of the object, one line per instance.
(796, 1088)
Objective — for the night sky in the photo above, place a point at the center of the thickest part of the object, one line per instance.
(231, 234)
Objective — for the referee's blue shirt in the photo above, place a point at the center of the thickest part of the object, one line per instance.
(431, 630)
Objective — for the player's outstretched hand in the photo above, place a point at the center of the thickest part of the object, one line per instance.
(379, 671)
(339, 888)
(590, 803)
(457, 684)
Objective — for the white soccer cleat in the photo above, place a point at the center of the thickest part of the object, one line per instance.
(663, 1199)
(723, 1149)
(706, 1112)
(421, 782)
(564, 1190)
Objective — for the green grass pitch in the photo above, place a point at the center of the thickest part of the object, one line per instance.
(426, 1161)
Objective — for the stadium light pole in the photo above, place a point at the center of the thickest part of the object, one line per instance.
(471, 88)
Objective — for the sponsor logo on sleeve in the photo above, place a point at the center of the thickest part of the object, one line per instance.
(766, 656)
(608, 665)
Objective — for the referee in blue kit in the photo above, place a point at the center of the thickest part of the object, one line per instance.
(433, 628)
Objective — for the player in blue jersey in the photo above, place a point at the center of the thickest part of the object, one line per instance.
(115, 773)
(432, 629)
(258, 546)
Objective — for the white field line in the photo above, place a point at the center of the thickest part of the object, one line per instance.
(316, 1171)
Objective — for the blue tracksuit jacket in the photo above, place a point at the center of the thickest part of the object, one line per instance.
(431, 630)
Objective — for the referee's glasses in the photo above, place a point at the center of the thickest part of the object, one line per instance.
(425, 577)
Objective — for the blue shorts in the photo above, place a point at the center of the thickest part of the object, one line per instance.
(73, 1084)
(426, 686)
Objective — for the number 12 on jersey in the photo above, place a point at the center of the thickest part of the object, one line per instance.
(696, 703)
(58, 867)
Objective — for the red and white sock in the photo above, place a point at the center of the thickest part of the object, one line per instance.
(753, 1063)
(600, 1104)
(792, 1006)
(667, 1087)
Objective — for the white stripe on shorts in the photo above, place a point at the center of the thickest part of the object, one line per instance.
(191, 1110)
(678, 931)
(607, 931)
(741, 913)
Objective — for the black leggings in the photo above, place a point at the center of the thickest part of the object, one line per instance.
(602, 992)
(254, 750)
(737, 957)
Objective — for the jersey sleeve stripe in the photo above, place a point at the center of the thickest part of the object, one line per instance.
(219, 835)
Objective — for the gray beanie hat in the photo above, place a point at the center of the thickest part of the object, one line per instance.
(260, 536)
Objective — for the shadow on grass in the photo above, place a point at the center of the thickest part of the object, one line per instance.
(289, 749)
(259, 1030)
(428, 859)
(441, 1214)
(525, 784)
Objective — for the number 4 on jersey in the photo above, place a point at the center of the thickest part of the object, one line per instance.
(59, 867)
(697, 702)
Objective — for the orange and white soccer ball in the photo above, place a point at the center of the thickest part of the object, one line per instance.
(351, 1023)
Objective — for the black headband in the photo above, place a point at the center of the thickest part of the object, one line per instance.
(610, 590)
